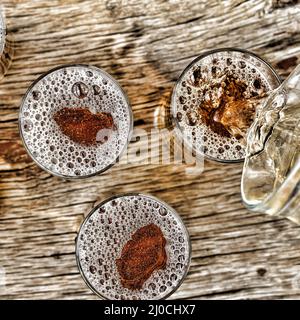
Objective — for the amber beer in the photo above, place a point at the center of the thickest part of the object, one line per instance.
(75, 121)
(133, 246)
(215, 100)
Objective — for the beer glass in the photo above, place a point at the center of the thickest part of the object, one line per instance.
(75, 121)
(214, 101)
(110, 226)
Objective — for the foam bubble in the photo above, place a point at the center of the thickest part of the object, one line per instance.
(73, 87)
(105, 232)
(194, 87)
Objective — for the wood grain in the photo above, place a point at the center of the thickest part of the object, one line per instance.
(144, 45)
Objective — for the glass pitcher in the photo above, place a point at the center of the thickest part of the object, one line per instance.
(271, 174)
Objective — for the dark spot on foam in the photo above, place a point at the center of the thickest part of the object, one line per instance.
(179, 116)
(242, 64)
(246, 56)
(182, 99)
(257, 83)
(192, 118)
(229, 61)
(214, 70)
(93, 269)
(287, 63)
(197, 75)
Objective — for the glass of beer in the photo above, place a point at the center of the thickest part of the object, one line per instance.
(133, 247)
(271, 175)
(75, 121)
(215, 100)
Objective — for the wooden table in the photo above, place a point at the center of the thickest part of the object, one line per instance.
(144, 45)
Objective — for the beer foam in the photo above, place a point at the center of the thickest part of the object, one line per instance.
(193, 89)
(109, 227)
(73, 87)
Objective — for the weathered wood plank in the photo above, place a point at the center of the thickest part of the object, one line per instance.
(144, 45)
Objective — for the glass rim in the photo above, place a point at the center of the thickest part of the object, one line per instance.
(91, 67)
(187, 68)
(144, 195)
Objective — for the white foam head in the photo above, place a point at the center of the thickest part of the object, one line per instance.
(188, 97)
(45, 142)
(108, 228)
